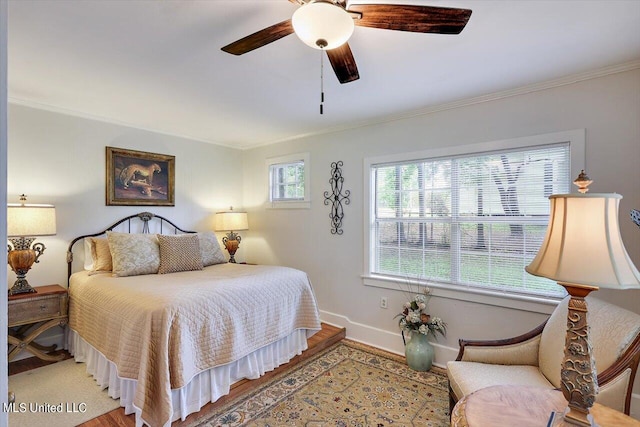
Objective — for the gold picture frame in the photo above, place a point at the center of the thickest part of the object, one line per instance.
(138, 178)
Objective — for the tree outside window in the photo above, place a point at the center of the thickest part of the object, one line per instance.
(472, 220)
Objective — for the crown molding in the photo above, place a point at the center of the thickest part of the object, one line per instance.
(83, 115)
(522, 90)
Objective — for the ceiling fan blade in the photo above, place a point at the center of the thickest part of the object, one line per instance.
(417, 19)
(260, 38)
(343, 63)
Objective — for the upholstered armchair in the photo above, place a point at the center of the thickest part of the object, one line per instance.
(535, 358)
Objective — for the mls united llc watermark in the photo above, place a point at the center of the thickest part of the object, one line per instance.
(33, 407)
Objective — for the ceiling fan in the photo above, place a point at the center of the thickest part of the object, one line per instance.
(327, 25)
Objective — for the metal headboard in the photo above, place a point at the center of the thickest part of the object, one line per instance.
(145, 217)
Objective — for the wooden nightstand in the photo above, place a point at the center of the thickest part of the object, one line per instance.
(43, 310)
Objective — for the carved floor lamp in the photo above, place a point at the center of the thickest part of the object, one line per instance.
(583, 251)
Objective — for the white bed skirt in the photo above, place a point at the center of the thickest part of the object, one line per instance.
(207, 386)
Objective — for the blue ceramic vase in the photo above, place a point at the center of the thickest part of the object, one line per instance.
(419, 352)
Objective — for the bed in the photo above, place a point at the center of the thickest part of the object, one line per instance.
(169, 325)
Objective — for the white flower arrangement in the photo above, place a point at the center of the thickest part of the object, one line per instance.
(414, 319)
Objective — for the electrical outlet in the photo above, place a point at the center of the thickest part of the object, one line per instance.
(383, 302)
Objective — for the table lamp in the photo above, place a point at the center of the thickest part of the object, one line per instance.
(231, 221)
(24, 223)
(583, 251)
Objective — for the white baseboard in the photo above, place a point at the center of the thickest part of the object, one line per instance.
(384, 340)
(57, 339)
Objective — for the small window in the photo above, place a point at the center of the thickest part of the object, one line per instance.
(289, 181)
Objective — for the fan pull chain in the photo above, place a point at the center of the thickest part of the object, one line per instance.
(321, 81)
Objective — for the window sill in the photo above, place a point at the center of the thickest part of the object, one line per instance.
(288, 205)
(543, 305)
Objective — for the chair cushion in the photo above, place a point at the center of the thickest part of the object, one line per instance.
(611, 330)
(467, 377)
(523, 353)
(614, 393)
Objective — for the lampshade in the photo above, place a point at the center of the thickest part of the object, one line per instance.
(30, 220)
(231, 221)
(322, 25)
(583, 243)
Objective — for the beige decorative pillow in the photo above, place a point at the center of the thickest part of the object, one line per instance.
(101, 254)
(210, 249)
(179, 253)
(134, 254)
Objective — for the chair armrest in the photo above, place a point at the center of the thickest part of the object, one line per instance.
(628, 360)
(520, 350)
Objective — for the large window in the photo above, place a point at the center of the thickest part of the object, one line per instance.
(467, 220)
(289, 181)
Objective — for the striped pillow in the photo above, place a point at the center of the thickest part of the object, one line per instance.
(179, 253)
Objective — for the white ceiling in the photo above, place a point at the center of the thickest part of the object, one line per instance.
(158, 65)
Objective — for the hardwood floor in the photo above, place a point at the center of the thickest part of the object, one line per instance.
(328, 336)
(33, 363)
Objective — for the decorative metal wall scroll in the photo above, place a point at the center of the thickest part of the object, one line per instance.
(336, 198)
(635, 216)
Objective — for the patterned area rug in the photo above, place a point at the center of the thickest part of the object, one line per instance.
(348, 384)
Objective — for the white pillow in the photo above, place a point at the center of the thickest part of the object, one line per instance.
(210, 249)
(134, 254)
(88, 257)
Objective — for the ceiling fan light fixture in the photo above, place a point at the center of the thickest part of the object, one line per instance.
(322, 25)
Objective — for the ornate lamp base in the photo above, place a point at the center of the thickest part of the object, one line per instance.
(21, 257)
(579, 381)
(559, 419)
(231, 242)
(21, 261)
(21, 286)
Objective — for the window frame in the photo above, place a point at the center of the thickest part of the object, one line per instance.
(304, 203)
(575, 139)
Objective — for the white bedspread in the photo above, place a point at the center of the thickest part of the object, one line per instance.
(162, 330)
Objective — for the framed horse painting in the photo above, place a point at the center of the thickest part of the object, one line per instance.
(138, 178)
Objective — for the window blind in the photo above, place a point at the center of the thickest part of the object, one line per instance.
(471, 220)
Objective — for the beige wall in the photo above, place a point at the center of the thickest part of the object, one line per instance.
(607, 107)
(60, 159)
